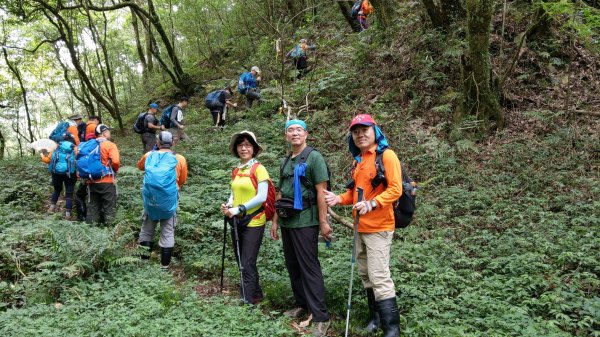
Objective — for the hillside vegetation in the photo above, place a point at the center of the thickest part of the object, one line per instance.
(505, 242)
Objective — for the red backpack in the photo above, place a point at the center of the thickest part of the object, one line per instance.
(269, 204)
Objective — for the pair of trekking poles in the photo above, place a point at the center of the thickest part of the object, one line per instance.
(236, 239)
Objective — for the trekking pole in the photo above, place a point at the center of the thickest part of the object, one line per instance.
(360, 196)
(223, 254)
(239, 256)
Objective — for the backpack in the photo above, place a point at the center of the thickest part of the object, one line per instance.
(269, 204)
(356, 8)
(63, 159)
(165, 118)
(81, 131)
(159, 192)
(140, 126)
(89, 162)
(297, 52)
(213, 100)
(241, 85)
(302, 157)
(57, 134)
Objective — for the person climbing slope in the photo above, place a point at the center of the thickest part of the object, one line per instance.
(61, 165)
(299, 57)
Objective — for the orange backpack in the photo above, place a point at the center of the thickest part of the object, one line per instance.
(269, 204)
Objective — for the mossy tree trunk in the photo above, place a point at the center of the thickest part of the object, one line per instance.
(444, 12)
(384, 12)
(479, 95)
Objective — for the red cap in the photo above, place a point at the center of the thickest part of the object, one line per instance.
(362, 119)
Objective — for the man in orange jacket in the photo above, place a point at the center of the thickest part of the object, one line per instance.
(102, 205)
(376, 222)
(164, 141)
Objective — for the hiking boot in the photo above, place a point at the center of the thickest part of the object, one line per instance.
(147, 250)
(374, 322)
(165, 257)
(390, 317)
(51, 209)
(319, 329)
(295, 313)
(68, 215)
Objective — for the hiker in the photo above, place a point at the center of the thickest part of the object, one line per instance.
(176, 124)
(74, 122)
(165, 173)
(150, 125)
(217, 101)
(376, 221)
(246, 203)
(298, 56)
(248, 86)
(363, 11)
(90, 128)
(302, 214)
(81, 193)
(102, 192)
(61, 165)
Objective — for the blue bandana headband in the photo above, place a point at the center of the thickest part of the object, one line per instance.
(294, 122)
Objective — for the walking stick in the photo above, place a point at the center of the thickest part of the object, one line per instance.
(239, 256)
(223, 254)
(360, 196)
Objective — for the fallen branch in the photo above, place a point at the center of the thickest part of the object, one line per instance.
(591, 113)
(339, 219)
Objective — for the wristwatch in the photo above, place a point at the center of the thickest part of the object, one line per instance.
(373, 204)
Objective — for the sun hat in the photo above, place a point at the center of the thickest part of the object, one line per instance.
(252, 138)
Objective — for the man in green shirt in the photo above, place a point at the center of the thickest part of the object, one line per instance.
(302, 213)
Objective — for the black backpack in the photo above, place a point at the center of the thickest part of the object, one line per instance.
(302, 157)
(81, 131)
(405, 206)
(140, 126)
(165, 118)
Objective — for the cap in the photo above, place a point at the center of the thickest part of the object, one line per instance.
(302, 40)
(165, 138)
(101, 128)
(75, 117)
(154, 106)
(295, 122)
(184, 98)
(257, 148)
(362, 119)
(255, 68)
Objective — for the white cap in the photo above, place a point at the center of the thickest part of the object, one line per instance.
(255, 68)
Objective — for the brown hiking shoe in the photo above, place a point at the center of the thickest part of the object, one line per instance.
(294, 313)
(320, 328)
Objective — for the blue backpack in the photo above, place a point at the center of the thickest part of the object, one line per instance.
(297, 52)
(57, 134)
(356, 8)
(63, 159)
(165, 118)
(89, 162)
(160, 193)
(213, 100)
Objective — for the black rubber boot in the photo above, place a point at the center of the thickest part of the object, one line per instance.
(390, 317)
(146, 255)
(165, 257)
(373, 324)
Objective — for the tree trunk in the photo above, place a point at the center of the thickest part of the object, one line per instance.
(17, 75)
(345, 7)
(443, 13)
(138, 44)
(479, 96)
(2, 145)
(384, 12)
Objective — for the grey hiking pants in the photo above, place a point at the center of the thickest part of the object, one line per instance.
(167, 231)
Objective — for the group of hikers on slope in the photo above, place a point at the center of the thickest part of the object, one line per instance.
(300, 209)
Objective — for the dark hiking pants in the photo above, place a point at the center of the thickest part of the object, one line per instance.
(250, 242)
(148, 141)
(218, 117)
(103, 203)
(80, 200)
(58, 180)
(302, 262)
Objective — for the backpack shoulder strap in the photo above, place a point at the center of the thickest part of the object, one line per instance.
(253, 176)
(379, 162)
(303, 156)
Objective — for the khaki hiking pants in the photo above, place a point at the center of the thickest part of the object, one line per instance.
(373, 259)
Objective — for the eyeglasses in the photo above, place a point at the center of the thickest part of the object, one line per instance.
(248, 146)
(294, 130)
